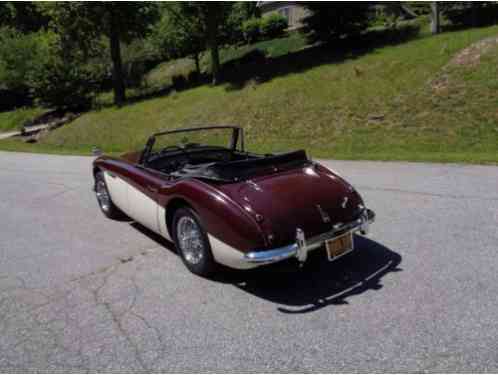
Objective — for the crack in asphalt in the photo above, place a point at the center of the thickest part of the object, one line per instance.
(25, 312)
(117, 318)
(139, 312)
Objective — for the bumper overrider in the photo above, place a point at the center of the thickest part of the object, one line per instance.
(303, 245)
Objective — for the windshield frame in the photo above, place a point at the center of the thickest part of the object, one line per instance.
(237, 134)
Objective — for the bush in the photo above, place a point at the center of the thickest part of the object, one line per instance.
(179, 82)
(194, 78)
(471, 14)
(252, 30)
(65, 79)
(63, 85)
(273, 25)
(240, 12)
(19, 55)
(138, 57)
(419, 8)
(35, 65)
(17, 119)
(330, 21)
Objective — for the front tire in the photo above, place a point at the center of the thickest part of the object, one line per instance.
(192, 242)
(104, 198)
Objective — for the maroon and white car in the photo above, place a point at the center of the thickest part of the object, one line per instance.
(220, 204)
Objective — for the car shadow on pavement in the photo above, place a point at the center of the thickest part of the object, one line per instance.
(319, 283)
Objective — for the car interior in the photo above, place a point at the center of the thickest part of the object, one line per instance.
(219, 163)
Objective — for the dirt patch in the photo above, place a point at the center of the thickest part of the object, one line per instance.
(42, 125)
(471, 56)
(468, 57)
(440, 83)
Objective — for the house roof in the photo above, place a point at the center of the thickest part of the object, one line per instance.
(261, 4)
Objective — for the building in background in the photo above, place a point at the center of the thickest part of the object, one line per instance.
(294, 11)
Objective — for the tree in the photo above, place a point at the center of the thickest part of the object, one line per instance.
(24, 16)
(240, 12)
(20, 55)
(179, 33)
(470, 14)
(212, 15)
(273, 25)
(435, 18)
(209, 21)
(189, 27)
(80, 23)
(19, 52)
(333, 20)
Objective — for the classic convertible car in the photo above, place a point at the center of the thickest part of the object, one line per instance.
(220, 204)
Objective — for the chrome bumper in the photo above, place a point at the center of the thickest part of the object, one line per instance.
(303, 245)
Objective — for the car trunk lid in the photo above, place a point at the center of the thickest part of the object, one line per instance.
(303, 198)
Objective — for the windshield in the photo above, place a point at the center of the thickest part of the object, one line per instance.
(193, 138)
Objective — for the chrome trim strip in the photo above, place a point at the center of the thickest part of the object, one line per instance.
(300, 248)
(271, 256)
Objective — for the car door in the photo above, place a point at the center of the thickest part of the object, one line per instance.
(142, 200)
(118, 189)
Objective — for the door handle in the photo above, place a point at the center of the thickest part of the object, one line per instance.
(152, 189)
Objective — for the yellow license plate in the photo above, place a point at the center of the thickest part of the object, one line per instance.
(339, 245)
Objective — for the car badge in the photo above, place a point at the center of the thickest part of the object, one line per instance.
(325, 216)
(344, 202)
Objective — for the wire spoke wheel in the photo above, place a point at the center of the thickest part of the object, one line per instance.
(190, 240)
(103, 195)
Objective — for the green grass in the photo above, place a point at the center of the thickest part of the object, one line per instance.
(14, 120)
(379, 105)
(270, 48)
(161, 76)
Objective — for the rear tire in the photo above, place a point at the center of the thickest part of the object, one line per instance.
(104, 198)
(192, 242)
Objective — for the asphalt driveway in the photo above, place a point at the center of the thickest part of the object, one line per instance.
(79, 292)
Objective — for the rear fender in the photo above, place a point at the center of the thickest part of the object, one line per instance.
(221, 217)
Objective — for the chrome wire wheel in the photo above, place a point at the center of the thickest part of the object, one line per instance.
(103, 195)
(190, 239)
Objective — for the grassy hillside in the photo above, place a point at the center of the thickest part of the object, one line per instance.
(396, 102)
(14, 120)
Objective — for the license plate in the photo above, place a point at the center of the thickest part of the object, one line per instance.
(339, 245)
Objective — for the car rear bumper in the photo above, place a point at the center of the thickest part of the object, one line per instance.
(303, 245)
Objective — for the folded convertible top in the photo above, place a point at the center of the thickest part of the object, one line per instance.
(240, 169)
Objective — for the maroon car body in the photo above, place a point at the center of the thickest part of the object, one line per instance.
(252, 209)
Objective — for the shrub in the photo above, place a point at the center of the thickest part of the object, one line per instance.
(62, 85)
(252, 30)
(179, 82)
(18, 118)
(194, 78)
(328, 21)
(19, 55)
(419, 8)
(138, 57)
(240, 12)
(471, 14)
(65, 79)
(273, 25)
(35, 65)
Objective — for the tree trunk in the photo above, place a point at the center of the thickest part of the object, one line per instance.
(215, 63)
(475, 8)
(435, 18)
(212, 31)
(197, 64)
(117, 65)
